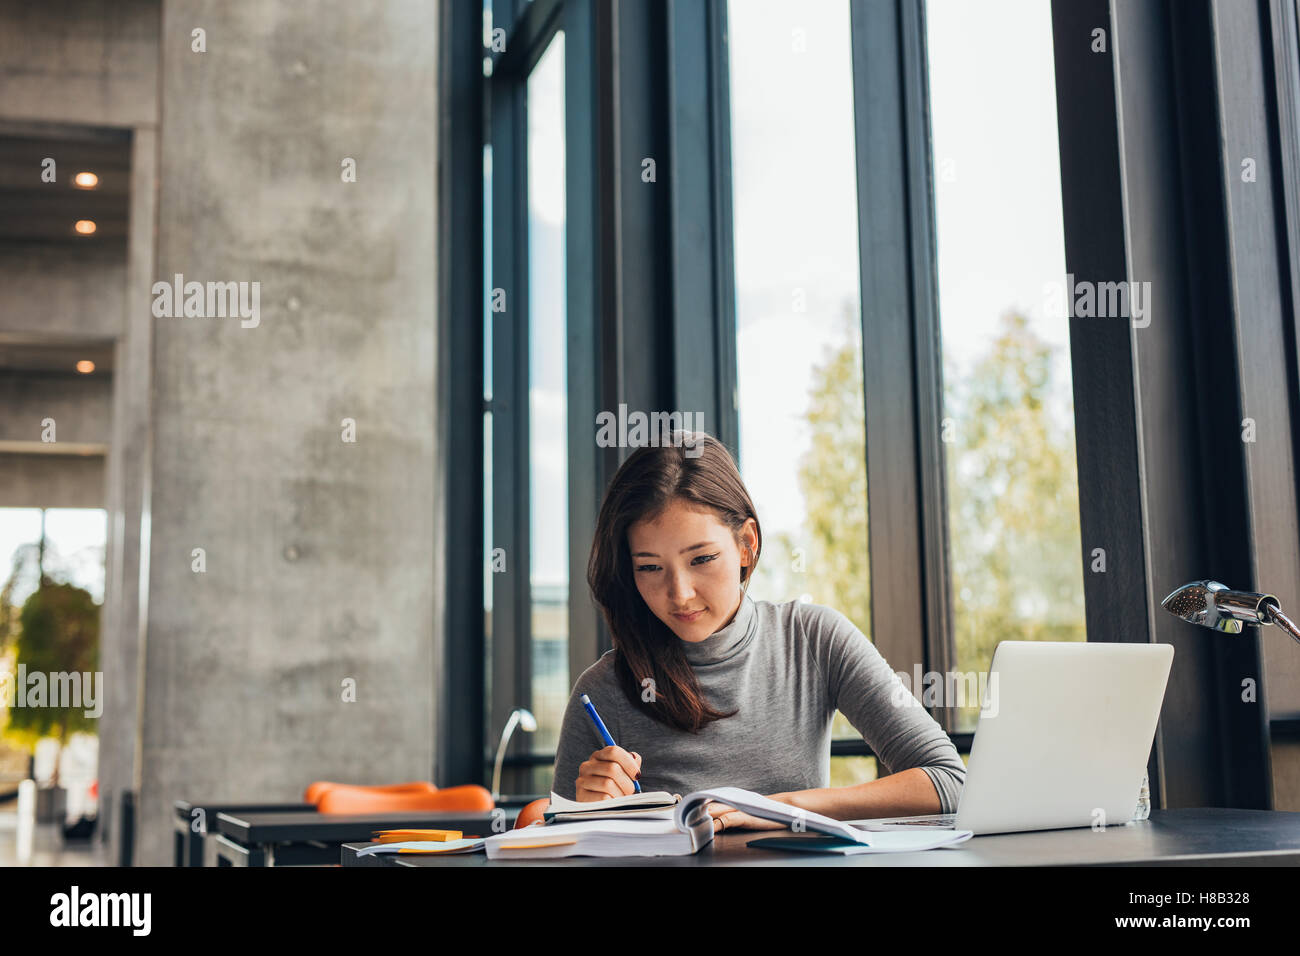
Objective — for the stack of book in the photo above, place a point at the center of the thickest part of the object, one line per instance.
(664, 824)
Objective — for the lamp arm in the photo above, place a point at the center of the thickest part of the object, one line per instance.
(501, 754)
(1275, 616)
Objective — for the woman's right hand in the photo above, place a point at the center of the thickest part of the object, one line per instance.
(608, 772)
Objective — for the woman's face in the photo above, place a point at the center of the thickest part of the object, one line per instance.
(688, 562)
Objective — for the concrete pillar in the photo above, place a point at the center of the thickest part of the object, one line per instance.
(127, 494)
(93, 64)
(322, 556)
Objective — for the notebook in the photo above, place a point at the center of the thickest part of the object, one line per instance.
(658, 805)
(470, 845)
(689, 830)
(889, 841)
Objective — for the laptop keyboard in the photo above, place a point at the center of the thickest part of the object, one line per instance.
(944, 820)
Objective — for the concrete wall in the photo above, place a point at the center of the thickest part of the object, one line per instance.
(81, 406)
(92, 62)
(322, 556)
(56, 292)
(51, 481)
(79, 61)
(62, 289)
(128, 482)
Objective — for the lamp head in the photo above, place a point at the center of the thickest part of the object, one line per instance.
(526, 720)
(1214, 605)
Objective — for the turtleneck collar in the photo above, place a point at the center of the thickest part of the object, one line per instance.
(728, 642)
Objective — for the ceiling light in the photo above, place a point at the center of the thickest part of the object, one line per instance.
(85, 226)
(85, 180)
(85, 366)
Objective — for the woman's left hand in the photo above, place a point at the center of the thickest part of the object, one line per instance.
(729, 818)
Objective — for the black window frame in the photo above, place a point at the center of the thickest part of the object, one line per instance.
(646, 79)
(654, 83)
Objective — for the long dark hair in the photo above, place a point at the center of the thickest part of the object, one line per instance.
(695, 469)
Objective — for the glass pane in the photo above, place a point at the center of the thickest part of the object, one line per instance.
(488, 564)
(75, 540)
(487, 272)
(20, 528)
(799, 349)
(547, 405)
(487, 443)
(1013, 507)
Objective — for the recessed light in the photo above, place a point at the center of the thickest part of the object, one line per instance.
(85, 366)
(85, 180)
(85, 226)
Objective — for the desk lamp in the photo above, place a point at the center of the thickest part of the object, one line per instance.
(521, 718)
(1213, 605)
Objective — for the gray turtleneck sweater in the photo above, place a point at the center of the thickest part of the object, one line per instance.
(786, 668)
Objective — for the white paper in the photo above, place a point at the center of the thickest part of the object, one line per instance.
(444, 846)
(561, 804)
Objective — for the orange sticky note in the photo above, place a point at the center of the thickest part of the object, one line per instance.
(402, 836)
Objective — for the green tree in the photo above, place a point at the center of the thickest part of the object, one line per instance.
(831, 548)
(1015, 554)
(58, 633)
(1014, 551)
(23, 555)
(827, 558)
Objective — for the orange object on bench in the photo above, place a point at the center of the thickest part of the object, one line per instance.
(532, 812)
(470, 798)
(319, 788)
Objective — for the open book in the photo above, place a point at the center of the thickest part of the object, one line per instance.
(659, 805)
(688, 830)
(450, 847)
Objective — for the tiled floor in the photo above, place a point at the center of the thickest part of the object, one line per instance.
(47, 846)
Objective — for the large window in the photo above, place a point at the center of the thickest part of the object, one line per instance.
(801, 188)
(547, 427)
(67, 546)
(798, 322)
(1008, 423)
(839, 229)
(526, 382)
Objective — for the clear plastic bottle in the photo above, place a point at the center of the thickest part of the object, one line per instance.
(1143, 809)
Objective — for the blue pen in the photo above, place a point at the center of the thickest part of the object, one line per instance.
(600, 727)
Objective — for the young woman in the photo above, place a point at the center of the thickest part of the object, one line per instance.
(707, 687)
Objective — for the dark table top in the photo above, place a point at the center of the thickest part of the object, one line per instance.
(186, 808)
(263, 827)
(1194, 837)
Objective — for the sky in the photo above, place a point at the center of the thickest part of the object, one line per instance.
(74, 540)
(548, 432)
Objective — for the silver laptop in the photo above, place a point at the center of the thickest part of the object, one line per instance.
(1064, 733)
